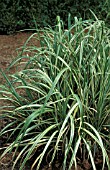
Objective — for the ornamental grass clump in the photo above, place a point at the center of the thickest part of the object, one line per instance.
(59, 103)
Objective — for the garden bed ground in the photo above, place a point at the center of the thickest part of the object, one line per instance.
(8, 46)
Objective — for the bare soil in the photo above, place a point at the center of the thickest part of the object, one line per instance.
(10, 47)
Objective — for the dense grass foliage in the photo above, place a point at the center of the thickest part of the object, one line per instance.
(18, 14)
(59, 104)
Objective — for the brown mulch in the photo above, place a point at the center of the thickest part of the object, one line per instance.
(10, 44)
(10, 47)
